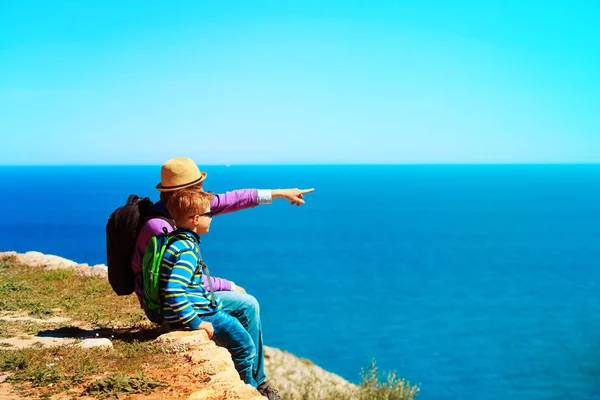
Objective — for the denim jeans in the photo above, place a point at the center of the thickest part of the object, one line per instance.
(230, 333)
(246, 310)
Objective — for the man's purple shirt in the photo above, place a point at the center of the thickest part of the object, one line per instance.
(221, 204)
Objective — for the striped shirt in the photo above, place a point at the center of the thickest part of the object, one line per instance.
(185, 299)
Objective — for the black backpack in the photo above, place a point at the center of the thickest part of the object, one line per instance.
(122, 229)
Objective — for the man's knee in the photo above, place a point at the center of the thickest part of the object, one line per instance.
(252, 305)
(244, 307)
(248, 306)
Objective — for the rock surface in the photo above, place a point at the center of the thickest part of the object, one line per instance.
(301, 378)
(212, 365)
(49, 261)
(100, 342)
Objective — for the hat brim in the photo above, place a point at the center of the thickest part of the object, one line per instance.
(162, 188)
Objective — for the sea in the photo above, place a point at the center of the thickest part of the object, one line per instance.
(476, 282)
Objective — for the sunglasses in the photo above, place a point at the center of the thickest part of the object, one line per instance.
(208, 214)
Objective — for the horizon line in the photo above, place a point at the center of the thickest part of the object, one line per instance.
(317, 164)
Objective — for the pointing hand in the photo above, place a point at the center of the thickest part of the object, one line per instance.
(294, 196)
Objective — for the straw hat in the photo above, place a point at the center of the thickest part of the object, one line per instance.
(179, 173)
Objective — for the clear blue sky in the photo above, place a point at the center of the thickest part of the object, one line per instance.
(255, 82)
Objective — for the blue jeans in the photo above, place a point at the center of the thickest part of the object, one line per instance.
(230, 333)
(246, 310)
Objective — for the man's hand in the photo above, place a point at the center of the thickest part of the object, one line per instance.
(239, 289)
(206, 326)
(294, 196)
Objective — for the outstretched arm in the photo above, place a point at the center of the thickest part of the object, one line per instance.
(247, 198)
(235, 200)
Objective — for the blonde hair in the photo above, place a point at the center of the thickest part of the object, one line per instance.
(187, 202)
(166, 196)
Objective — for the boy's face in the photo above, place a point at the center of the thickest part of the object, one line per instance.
(202, 221)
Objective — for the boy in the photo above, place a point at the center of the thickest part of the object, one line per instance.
(186, 301)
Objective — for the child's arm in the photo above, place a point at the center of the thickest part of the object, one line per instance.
(207, 327)
(178, 281)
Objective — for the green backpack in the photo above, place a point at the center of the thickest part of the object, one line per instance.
(153, 256)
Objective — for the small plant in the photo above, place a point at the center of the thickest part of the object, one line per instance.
(13, 361)
(7, 262)
(43, 375)
(115, 385)
(57, 275)
(393, 388)
(11, 286)
(69, 302)
(38, 309)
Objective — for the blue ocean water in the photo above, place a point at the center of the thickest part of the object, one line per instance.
(478, 282)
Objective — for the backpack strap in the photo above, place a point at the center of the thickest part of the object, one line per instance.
(147, 218)
(204, 267)
(199, 266)
(172, 237)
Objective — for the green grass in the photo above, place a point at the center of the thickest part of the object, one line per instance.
(7, 262)
(15, 328)
(117, 385)
(38, 292)
(65, 367)
(42, 294)
(71, 364)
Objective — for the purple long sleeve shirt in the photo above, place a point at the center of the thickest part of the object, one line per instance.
(221, 204)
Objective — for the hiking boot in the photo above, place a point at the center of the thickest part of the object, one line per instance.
(268, 391)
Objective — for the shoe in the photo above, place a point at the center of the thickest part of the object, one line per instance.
(268, 391)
